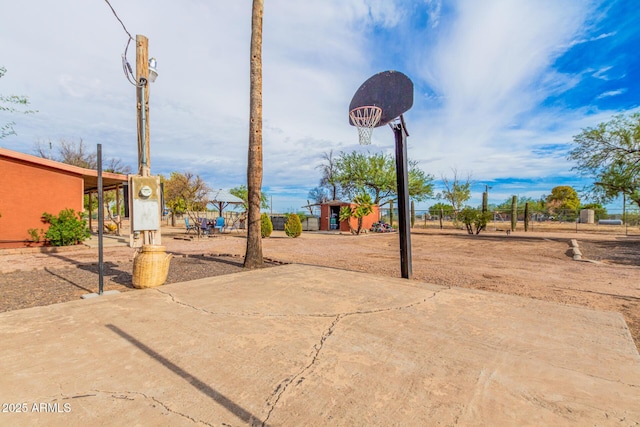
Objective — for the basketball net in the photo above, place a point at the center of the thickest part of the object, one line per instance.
(365, 119)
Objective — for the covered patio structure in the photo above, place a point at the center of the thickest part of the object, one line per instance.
(222, 199)
(33, 185)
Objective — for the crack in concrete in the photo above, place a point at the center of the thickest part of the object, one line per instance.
(320, 315)
(281, 388)
(124, 395)
(173, 299)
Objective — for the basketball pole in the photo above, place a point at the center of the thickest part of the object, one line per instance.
(402, 177)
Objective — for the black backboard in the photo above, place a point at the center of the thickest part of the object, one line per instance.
(390, 90)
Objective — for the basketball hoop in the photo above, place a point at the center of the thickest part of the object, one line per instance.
(365, 119)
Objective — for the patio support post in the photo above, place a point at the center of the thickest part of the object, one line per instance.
(100, 223)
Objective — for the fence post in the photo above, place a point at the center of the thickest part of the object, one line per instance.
(413, 214)
(514, 212)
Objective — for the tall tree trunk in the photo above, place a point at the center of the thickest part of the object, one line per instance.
(253, 256)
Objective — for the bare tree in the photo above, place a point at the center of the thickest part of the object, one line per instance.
(456, 191)
(186, 193)
(253, 254)
(329, 171)
(115, 165)
(77, 154)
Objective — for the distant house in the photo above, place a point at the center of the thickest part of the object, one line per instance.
(330, 216)
(30, 186)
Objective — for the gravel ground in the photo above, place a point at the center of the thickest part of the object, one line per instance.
(534, 265)
(52, 285)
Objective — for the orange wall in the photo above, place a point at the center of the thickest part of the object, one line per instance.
(366, 221)
(27, 191)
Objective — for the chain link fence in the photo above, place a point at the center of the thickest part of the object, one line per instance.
(611, 221)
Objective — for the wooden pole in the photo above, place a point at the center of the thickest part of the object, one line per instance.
(142, 96)
(253, 254)
(144, 147)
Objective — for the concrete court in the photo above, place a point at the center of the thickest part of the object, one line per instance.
(308, 346)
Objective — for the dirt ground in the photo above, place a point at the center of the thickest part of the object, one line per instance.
(534, 265)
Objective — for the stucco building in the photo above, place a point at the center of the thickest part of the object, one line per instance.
(30, 186)
(330, 217)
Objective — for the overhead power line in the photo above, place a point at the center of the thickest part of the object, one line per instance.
(126, 67)
(119, 20)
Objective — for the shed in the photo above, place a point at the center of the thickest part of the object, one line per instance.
(330, 216)
(31, 185)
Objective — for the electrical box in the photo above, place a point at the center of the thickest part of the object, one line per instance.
(144, 202)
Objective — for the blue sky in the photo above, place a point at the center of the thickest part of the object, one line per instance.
(501, 86)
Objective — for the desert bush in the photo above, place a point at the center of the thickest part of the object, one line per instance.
(35, 234)
(363, 207)
(474, 218)
(293, 226)
(66, 229)
(266, 227)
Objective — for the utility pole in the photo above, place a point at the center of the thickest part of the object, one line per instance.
(142, 97)
(144, 188)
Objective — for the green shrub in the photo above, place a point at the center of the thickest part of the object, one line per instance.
(293, 226)
(35, 234)
(474, 218)
(66, 229)
(266, 227)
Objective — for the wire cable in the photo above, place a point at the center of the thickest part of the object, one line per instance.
(119, 20)
(126, 67)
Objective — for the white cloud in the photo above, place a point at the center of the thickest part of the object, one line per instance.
(610, 93)
(592, 39)
(602, 73)
(434, 9)
(483, 80)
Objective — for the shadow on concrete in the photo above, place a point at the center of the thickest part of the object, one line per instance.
(218, 397)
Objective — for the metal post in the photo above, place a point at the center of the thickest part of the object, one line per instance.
(100, 223)
(624, 213)
(144, 166)
(402, 177)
